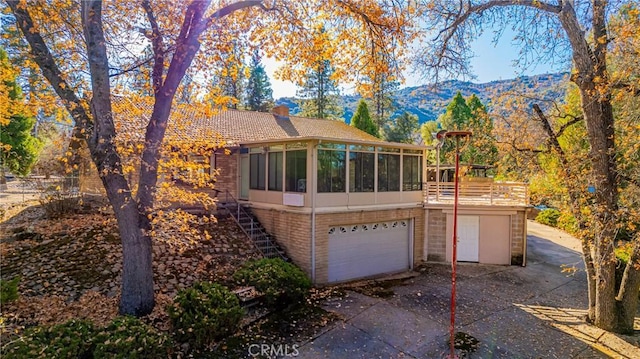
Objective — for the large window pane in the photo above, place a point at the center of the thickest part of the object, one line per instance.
(257, 171)
(296, 171)
(275, 171)
(388, 172)
(411, 173)
(361, 171)
(331, 171)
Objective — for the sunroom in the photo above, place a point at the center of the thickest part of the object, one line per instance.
(341, 209)
(327, 173)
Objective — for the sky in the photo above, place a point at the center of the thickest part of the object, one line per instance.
(491, 62)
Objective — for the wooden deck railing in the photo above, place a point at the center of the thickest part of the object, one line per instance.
(478, 193)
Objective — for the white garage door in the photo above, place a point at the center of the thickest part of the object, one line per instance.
(363, 250)
(468, 238)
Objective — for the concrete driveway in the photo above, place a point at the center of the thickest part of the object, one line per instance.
(535, 311)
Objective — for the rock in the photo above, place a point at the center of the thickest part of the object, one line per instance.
(26, 235)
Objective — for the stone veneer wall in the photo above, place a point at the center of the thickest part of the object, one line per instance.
(518, 235)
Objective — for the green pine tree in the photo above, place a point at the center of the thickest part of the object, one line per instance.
(457, 115)
(469, 115)
(320, 93)
(482, 149)
(18, 148)
(362, 120)
(259, 94)
(383, 87)
(403, 129)
(455, 118)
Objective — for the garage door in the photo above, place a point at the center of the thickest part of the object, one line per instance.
(363, 250)
(468, 238)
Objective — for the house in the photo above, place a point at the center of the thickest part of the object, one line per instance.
(345, 204)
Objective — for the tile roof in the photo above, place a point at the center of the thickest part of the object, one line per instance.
(234, 126)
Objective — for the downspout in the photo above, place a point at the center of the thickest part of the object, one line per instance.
(412, 228)
(524, 248)
(313, 187)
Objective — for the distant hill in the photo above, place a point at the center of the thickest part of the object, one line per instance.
(429, 101)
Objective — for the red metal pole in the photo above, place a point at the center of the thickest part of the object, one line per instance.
(454, 257)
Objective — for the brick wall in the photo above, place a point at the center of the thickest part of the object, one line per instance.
(437, 236)
(292, 231)
(227, 176)
(518, 235)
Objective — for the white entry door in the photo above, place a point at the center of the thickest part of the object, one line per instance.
(468, 238)
(363, 250)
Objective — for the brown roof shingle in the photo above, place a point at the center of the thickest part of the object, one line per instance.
(234, 126)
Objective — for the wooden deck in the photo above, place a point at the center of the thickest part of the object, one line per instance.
(478, 193)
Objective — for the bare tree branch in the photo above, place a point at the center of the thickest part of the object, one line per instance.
(43, 57)
(187, 45)
(158, 47)
(133, 67)
(521, 149)
(633, 90)
(553, 138)
(568, 124)
(235, 7)
(463, 15)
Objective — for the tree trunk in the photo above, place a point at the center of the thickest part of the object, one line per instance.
(598, 115)
(3, 178)
(628, 294)
(591, 279)
(137, 296)
(590, 66)
(137, 270)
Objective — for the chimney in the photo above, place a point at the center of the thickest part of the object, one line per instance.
(281, 112)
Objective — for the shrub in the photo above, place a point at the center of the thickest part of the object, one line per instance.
(567, 222)
(281, 282)
(128, 337)
(73, 339)
(8, 290)
(205, 312)
(549, 217)
(57, 202)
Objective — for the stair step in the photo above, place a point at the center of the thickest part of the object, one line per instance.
(263, 241)
(254, 227)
